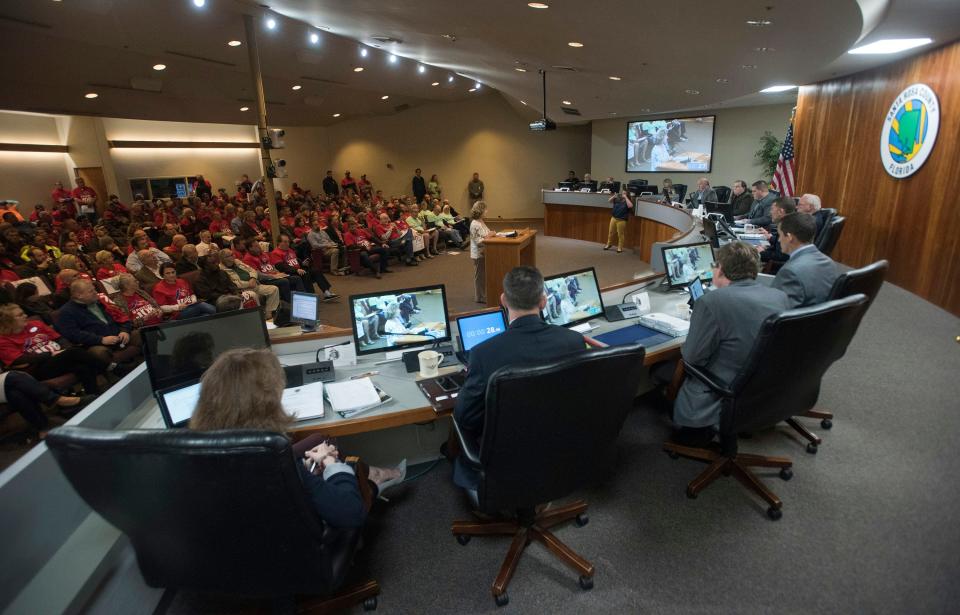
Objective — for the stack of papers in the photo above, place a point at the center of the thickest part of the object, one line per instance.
(351, 397)
(304, 402)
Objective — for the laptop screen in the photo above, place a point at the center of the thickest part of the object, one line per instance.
(479, 328)
(178, 404)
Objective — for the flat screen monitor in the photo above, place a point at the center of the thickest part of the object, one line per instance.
(479, 328)
(686, 262)
(670, 145)
(720, 208)
(572, 297)
(396, 319)
(182, 350)
(590, 185)
(178, 403)
(303, 309)
(613, 186)
(696, 289)
(567, 185)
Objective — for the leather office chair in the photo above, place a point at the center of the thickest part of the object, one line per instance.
(831, 213)
(765, 393)
(549, 430)
(723, 193)
(867, 281)
(681, 190)
(831, 234)
(221, 511)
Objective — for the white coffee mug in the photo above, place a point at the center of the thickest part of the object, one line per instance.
(429, 362)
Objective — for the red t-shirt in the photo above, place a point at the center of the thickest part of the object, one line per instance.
(381, 229)
(141, 308)
(284, 256)
(300, 231)
(61, 195)
(179, 294)
(36, 337)
(104, 272)
(84, 193)
(358, 237)
(260, 263)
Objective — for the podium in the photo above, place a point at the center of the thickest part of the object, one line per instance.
(503, 254)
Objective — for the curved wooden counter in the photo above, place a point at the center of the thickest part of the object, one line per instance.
(586, 216)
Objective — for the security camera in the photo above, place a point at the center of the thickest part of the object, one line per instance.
(276, 137)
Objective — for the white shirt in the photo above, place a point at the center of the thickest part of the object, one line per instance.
(478, 233)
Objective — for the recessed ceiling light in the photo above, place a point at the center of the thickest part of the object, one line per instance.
(421, 69)
(199, 3)
(90, 95)
(384, 97)
(296, 87)
(393, 59)
(520, 70)
(234, 43)
(692, 91)
(612, 113)
(723, 80)
(748, 66)
(472, 90)
(523, 102)
(575, 44)
(271, 23)
(435, 83)
(244, 108)
(759, 22)
(450, 79)
(538, 5)
(645, 109)
(159, 66)
(358, 69)
(614, 78)
(363, 52)
(778, 88)
(477, 85)
(763, 49)
(314, 38)
(336, 115)
(566, 102)
(891, 45)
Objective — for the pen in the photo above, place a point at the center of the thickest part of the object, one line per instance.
(313, 466)
(358, 376)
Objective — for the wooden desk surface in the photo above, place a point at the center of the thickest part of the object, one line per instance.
(523, 236)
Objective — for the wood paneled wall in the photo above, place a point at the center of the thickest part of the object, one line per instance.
(914, 222)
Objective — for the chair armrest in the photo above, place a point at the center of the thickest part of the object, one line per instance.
(708, 379)
(467, 449)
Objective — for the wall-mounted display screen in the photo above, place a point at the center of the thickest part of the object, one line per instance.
(679, 145)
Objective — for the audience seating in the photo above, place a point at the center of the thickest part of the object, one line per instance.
(12, 424)
(831, 234)
(867, 281)
(765, 393)
(221, 512)
(537, 447)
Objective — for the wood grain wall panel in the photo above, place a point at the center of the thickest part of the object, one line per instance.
(592, 224)
(914, 222)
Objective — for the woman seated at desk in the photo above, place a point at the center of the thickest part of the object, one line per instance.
(243, 390)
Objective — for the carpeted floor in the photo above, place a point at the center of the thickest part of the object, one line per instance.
(870, 523)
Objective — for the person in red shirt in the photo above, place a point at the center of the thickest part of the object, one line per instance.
(106, 267)
(400, 242)
(373, 255)
(64, 198)
(285, 260)
(175, 296)
(141, 309)
(33, 347)
(87, 198)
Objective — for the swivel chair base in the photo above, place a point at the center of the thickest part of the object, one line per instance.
(738, 466)
(813, 440)
(524, 531)
(365, 593)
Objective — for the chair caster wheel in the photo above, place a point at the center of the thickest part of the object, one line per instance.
(786, 473)
(463, 539)
(673, 454)
(502, 599)
(826, 423)
(691, 494)
(370, 604)
(581, 520)
(586, 583)
(774, 513)
(812, 448)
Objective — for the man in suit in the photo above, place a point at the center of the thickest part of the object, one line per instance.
(810, 204)
(741, 198)
(781, 207)
(704, 193)
(84, 322)
(809, 274)
(763, 198)
(723, 327)
(527, 340)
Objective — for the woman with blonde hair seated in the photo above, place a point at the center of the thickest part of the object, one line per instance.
(243, 389)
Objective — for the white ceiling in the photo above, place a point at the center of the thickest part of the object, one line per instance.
(57, 51)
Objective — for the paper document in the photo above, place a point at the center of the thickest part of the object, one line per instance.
(352, 395)
(304, 402)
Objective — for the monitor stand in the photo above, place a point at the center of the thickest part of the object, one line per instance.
(308, 328)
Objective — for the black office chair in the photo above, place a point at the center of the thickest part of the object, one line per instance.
(766, 393)
(681, 190)
(829, 213)
(549, 430)
(723, 193)
(222, 512)
(867, 281)
(831, 234)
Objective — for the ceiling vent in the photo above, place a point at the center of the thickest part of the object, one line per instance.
(570, 110)
(387, 40)
(200, 58)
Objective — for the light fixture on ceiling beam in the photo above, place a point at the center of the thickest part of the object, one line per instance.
(566, 102)
(336, 115)
(777, 88)
(244, 108)
(385, 97)
(520, 69)
(523, 102)
(314, 38)
(538, 5)
(890, 45)
(472, 90)
(296, 87)
(615, 78)
(575, 44)
(477, 85)
(759, 23)
(91, 95)
(234, 43)
(159, 67)
(358, 69)
(435, 83)
(450, 79)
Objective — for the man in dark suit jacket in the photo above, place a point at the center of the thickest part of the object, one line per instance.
(763, 198)
(84, 322)
(527, 340)
(810, 204)
(773, 253)
(741, 198)
(703, 194)
(809, 274)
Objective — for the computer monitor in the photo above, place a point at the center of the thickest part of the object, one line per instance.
(479, 328)
(182, 350)
(572, 297)
(303, 310)
(396, 319)
(722, 208)
(567, 185)
(696, 289)
(613, 186)
(178, 403)
(686, 262)
(590, 185)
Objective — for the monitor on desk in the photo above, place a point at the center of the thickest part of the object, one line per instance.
(589, 185)
(567, 185)
(686, 262)
(303, 310)
(572, 297)
(721, 208)
(613, 186)
(479, 328)
(182, 350)
(397, 319)
(178, 403)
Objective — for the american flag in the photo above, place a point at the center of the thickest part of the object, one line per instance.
(783, 176)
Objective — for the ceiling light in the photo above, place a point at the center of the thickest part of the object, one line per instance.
(523, 102)
(363, 52)
(384, 97)
(435, 83)
(723, 80)
(314, 38)
(450, 79)
(159, 66)
(234, 43)
(891, 45)
(538, 5)
(393, 59)
(692, 91)
(763, 49)
(421, 69)
(614, 78)
(336, 115)
(90, 95)
(748, 66)
(759, 22)
(645, 109)
(520, 70)
(575, 44)
(199, 3)
(472, 90)
(244, 108)
(778, 88)
(271, 23)
(358, 69)
(566, 102)
(296, 87)
(612, 113)
(477, 85)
